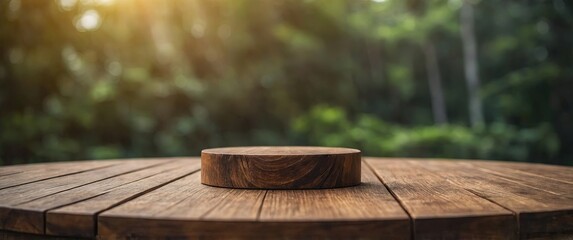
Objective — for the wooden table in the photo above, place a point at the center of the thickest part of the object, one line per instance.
(398, 199)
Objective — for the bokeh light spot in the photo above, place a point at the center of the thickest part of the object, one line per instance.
(114, 68)
(198, 30)
(67, 4)
(89, 21)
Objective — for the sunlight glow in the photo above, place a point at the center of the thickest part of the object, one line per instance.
(198, 29)
(98, 2)
(14, 5)
(105, 2)
(68, 4)
(13, 9)
(89, 21)
(114, 68)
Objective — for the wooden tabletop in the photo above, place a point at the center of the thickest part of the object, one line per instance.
(398, 199)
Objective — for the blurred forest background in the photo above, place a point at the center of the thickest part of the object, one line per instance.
(92, 79)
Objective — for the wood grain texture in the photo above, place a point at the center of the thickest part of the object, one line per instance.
(8, 235)
(164, 198)
(77, 218)
(183, 208)
(132, 228)
(370, 204)
(197, 211)
(280, 167)
(543, 205)
(188, 198)
(559, 173)
(18, 211)
(38, 172)
(440, 209)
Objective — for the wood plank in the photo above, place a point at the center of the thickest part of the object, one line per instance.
(369, 201)
(557, 173)
(539, 182)
(78, 219)
(8, 173)
(183, 208)
(189, 199)
(237, 206)
(157, 228)
(440, 209)
(19, 219)
(40, 172)
(195, 210)
(164, 201)
(90, 190)
(369, 204)
(191, 210)
(31, 166)
(541, 210)
(8, 235)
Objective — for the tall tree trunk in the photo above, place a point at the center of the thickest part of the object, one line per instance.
(471, 64)
(435, 82)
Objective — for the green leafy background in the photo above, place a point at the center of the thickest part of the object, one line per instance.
(98, 79)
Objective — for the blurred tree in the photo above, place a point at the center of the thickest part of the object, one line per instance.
(138, 78)
(420, 22)
(471, 63)
(435, 82)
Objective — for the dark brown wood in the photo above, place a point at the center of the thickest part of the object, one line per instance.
(398, 199)
(18, 208)
(544, 206)
(196, 210)
(370, 204)
(8, 235)
(76, 218)
(530, 171)
(280, 167)
(122, 228)
(38, 172)
(440, 209)
(179, 210)
(187, 198)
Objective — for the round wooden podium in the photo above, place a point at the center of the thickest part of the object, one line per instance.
(280, 167)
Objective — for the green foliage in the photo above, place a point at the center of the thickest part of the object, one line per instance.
(129, 78)
(331, 126)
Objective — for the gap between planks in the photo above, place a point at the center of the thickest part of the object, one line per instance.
(89, 228)
(515, 214)
(40, 225)
(96, 215)
(95, 196)
(30, 206)
(190, 212)
(412, 226)
(86, 184)
(435, 205)
(57, 176)
(529, 181)
(45, 212)
(536, 210)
